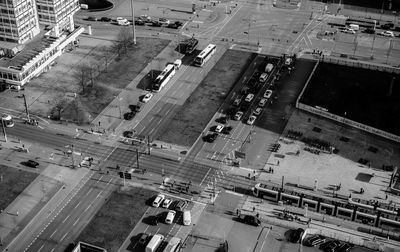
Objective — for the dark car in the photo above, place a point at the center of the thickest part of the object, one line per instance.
(156, 24)
(210, 137)
(180, 205)
(222, 120)
(129, 115)
(139, 22)
(128, 134)
(369, 31)
(314, 240)
(227, 130)
(387, 26)
(91, 18)
(250, 220)
(295, 235)
(30, 163)
(345, 247)
(329, 246)
(143, 239)
(105, 19)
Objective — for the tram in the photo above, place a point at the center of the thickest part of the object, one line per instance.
(7, 121)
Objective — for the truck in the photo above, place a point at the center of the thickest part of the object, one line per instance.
(154, 243)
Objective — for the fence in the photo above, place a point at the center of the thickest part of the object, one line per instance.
(358, 64)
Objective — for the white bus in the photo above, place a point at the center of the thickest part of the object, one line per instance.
(173, 245)
(205, 55)
(164, 77)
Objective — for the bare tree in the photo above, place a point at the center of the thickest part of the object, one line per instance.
(85, 73)
(60, 103)
(124, 40)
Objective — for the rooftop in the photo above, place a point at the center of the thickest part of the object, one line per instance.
(29, 51)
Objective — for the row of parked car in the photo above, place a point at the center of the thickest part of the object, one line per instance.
(327, 245)
(141, 20)
(174, 206)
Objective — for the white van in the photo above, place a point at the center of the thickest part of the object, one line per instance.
(187, 218)
(154, 243)
(355, 27)
(269, 67)
(173, 245)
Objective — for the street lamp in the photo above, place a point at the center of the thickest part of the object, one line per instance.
(119, 105)
(133, 23)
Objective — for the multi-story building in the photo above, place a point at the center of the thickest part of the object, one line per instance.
(18, 21)
(33, 33)
(57, 13)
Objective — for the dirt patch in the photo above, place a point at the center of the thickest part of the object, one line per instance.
(13, 183)
(110, 77)
(113, 223)
(206, 99)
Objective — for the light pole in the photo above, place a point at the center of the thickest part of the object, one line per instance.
(248, 30)
(133, 23)
(119, 105)
(4, 129)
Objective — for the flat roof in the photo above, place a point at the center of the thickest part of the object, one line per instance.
(30, 50)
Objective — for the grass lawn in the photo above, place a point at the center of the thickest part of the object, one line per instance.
(113, 222)
(365, 96)
(119, 74)
(205, 100)
(13, 182)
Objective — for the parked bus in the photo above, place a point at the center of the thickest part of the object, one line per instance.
(164, 77)
(173, 245)
(190, 45)
(7, 121)
(205, 55)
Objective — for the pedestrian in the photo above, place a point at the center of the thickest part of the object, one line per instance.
(237, 211)
(278, 162)
(91, 129)
(257, 215)
(254, 208)
(386, 197)
(272, 170)
(248, 175)
(108, 172)
(117, 167)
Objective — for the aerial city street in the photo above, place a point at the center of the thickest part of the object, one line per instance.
(200, 126)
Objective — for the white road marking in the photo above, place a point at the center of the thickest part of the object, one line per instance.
(75, 222)
(65, 218)
(205, 176)
(53, 233)
(89, 192)
(40, 248)
(63, 237)
(77, 204)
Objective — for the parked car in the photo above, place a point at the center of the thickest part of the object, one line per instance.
(164, 21)
(222, 119)
(122, 19)
(268, 93)
(105, 19)
(369, 31)
(295, 235)
(145, 18)
(210, 137)
(86, 162)
(387, 26)
(237, 101)
(219, 128)
(166, 203)
(251, 120)
(263, 77)
(181, 205)
(227, 130)
(249, 97)
(349, 30)
(345, 247)
(30, 163)
(156, 23)
(170, 217)
(314, 240)
(238, 115)
(139, 22)
(249, 219)
(129, 115)
(288, 61)
(147, 97)
(387, 33)
(262, 102)
(91, 18)
(258, 111)
(157, 201)
(143, 239)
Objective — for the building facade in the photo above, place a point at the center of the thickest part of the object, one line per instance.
(26, 50)
(18, 21)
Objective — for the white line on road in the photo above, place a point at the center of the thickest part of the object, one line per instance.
(205, 176)
(40, 248)
(262, 246)
(63, 237)
(52, 249)
(98, 195)
(65, 218)
(77, 204)
(89, 192)
(75, 222)
(53, 233)
(87, 208)
(40, 127)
